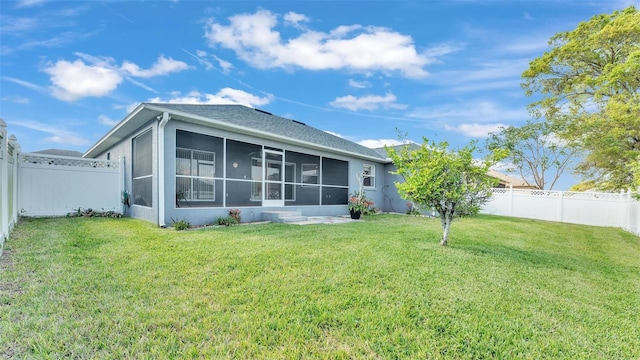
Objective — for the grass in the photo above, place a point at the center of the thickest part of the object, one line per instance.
(381, 288)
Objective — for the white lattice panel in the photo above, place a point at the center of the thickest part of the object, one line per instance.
(67, 161)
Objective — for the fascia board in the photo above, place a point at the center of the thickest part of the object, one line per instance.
(95, 149)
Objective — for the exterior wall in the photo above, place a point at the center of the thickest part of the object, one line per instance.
(392, 200)
(206, 215)
(375, 194)
(123, 150)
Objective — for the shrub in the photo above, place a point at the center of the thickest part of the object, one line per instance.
(180, 224)
(226, 220)
(235, 213)
(412, 209)
(80, 212)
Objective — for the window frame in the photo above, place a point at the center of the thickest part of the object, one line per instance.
(371, 175)
(194, 167)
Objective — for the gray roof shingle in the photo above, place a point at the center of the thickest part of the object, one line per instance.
(247, 117)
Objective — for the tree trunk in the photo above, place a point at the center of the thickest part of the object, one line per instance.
(446, 225)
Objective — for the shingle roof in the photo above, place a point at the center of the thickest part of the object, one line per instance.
(246, 117)
(60, 152)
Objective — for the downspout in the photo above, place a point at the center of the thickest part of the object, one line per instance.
(161, 152)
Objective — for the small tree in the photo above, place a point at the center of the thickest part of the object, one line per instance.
(452, 183)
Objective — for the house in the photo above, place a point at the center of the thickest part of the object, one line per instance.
(196, 162)
(506, 181)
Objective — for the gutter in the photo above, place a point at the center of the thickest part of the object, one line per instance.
(161, 157)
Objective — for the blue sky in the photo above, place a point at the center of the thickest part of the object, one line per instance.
(445, 70)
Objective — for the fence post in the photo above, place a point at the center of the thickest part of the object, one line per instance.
(4, 183)
(510, 200)
(626, 222)
(560, 205)
(16, 170)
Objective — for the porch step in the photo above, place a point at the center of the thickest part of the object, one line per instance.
(283, 216)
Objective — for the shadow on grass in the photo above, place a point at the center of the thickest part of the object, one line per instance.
(533, 257)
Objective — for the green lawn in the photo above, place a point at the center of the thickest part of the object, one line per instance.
(381, 288)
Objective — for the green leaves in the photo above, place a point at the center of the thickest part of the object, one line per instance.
(535, 151)
(590, 82)
(451, 182)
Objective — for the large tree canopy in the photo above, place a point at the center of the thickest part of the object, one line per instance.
(589, 83)
(451, 182)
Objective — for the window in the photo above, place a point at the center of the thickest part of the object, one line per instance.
(195, 170)
(256, 176)
(369, 176)
(142, 169)
(198, 170)
(310, 173)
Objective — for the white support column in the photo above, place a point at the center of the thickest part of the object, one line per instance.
(123, 183)
(162, 192)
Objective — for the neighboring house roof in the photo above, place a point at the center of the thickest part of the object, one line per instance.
(59, 152)
(236, 118)
(507, 180)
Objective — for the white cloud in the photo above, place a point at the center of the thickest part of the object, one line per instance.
(356, 48)
(74, 80)
(475, 129)
(17, 25)
(15, 99)
(378, 143)
(29, 3)
(502, 166)
(58, 135)
(225, 65)
(295, 19)
(532, 44)
(105, 120)
(162, 66)
(98, 75)
(55, 41)
(440, 50)
(24, 83)
(359, 84)
(471, 112)
(334, 134)
(227, 96)
(368, 102)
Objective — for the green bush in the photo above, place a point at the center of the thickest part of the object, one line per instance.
(226, 220)
(180, 224)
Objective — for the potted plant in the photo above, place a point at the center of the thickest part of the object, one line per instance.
(358, 205)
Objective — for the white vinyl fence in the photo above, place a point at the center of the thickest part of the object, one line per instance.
(46, 185)
(588, 208)
(9, 150)
(57, 185)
